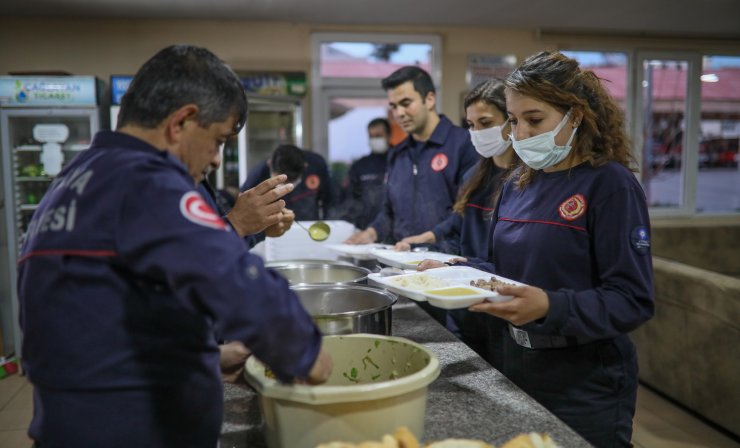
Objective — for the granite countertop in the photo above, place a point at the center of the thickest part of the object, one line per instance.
(470, 399)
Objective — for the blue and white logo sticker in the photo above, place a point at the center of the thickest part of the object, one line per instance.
(640, 239)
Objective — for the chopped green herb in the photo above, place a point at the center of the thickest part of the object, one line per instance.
(353, 373)
(377, 343)
(375, 377)
(367, 360)
(348, 377)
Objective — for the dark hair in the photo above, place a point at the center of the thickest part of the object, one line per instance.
(380, 122)
(180, 75)
(553, 78)
(420, 78)
(490, 92)
(288, 160)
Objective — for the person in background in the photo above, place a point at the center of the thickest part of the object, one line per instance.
(313, 193)
(424, 170)
(367, 177)
(465, 232)
(572, 224)
(122, 294)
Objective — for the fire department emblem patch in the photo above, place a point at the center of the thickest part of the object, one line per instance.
(195, 209)
(439, 162)
(573, 208)
(312, 182)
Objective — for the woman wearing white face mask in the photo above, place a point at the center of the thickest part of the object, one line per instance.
(466, 231)
(573, 224)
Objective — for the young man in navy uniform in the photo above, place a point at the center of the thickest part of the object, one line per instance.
(126, 275)
(426, 169)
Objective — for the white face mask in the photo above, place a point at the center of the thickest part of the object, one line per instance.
(540, 151)
(489, 142)
(378, 145)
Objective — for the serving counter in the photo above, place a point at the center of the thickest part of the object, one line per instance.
(470, 399)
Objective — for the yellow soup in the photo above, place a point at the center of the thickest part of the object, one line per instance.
(318, 234)
(452, 292)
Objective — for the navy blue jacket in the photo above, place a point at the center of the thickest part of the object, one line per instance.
(367, 188)
(467, 234)
(582, 235)
(312, 197)
(421, 188)
(124, 279)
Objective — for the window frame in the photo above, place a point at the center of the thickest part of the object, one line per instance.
(323, 88)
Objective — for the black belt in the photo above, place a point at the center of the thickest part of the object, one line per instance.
(538, 341)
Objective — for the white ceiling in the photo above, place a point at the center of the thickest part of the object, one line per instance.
(687, 18)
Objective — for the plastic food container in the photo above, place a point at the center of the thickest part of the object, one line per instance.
(447, 287)
(378, 383)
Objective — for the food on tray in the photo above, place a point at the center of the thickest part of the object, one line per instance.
(531, 440)
(452, 292)
(418, 282)
(488, 284)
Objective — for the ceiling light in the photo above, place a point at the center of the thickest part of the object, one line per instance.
(709, 77)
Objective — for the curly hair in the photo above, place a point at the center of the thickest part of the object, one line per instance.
(555, 79)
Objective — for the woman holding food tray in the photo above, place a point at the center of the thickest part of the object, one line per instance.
(465, 232)
(573, 224)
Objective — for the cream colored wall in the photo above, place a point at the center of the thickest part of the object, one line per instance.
(106, 47)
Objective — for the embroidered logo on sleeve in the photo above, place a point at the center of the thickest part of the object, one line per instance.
(640, 240)
(573, 208)
(312, 182)
(439, 162)
(195, 209)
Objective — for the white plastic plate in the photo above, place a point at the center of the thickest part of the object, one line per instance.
(408, 260)
(451, 277)
(358, 251)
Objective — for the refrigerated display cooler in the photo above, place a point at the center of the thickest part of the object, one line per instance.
(44, 123)
(272, 120)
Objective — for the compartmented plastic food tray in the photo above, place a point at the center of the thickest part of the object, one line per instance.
(447, 287)
(408, 260)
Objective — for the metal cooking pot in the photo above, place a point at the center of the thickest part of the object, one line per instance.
(321, 273)
(346, 309)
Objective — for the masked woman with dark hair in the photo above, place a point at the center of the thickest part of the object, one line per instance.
(465, 232)
(573, 224)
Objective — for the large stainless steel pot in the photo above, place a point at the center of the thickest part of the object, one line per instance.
(346, 309)
(321, 273)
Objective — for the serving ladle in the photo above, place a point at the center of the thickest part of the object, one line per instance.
(318, 231)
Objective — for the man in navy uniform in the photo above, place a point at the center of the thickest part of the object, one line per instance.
(367, 175)
(126, 275)
(426, 169)
(312, 196)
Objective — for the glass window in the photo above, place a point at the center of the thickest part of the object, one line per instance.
(610, 67)
(718, 180)
(371, 60)
(664, 102)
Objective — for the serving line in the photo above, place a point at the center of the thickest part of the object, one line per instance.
(470, 399)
